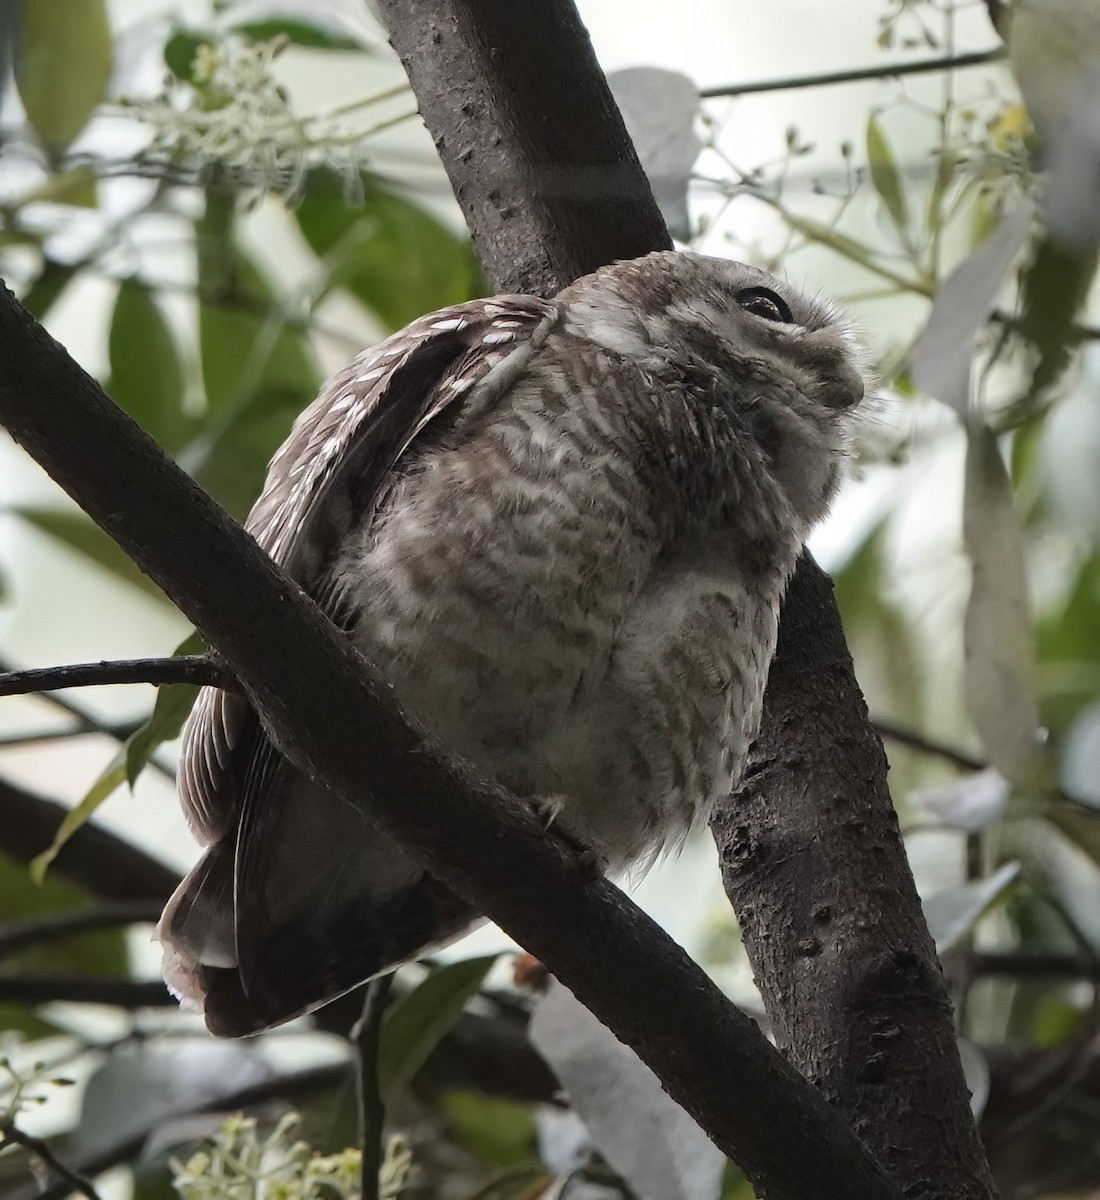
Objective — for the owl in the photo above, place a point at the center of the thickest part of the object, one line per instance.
(560, 530)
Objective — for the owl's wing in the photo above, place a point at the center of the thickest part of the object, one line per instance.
(326, 479)
(297, 898)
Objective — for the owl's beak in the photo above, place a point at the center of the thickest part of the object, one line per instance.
(842, 387)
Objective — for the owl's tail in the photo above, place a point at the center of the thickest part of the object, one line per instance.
(305, 902)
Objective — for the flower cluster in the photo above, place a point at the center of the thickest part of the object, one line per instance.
(241, 1163)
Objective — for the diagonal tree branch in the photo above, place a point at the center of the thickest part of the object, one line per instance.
(326, 709)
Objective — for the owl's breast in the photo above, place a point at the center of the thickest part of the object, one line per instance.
(492, 584)
(530, 603)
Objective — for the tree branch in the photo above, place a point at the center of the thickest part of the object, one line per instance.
(87, 723)
(49, 927)
(94, 859)
(9, 1132)
(904, 736)
(328, 711)
(516, 103)
(185, 668)
(814, 863)
(85, 989)
(1019, 964)
(859, 74)
(530, 137)
(541, 164)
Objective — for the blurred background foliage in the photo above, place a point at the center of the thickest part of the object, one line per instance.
(214, 205)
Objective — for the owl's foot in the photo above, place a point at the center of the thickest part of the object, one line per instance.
(591, 863)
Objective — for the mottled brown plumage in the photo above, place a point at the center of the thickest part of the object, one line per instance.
(561, 531)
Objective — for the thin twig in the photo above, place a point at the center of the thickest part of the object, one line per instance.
(891, 71)
(1074, 331)
(367, 1034)
(1019, 965)
(917, 741)
(41, 1150)
(185, 668)
(119, 732)
(86, 722)
(32, 931)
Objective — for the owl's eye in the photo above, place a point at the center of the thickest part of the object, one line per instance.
(765, 303)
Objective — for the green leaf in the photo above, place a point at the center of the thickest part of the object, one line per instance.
(997, 632)
(498, 1132)
(416, 1023)
(112, 778)
(180, 51)
(1053, 289)
(884, 175)
(62, 65)
(174, 701)
(146, 376)
(79, 533)
(943, 355)
(299, 32)
(172, 705)
(946, 162)
(396, 258)
(257, 372)
(76, 186)
(640, 1131)
(1069, 650)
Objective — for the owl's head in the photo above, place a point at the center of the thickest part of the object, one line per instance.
(784, 361)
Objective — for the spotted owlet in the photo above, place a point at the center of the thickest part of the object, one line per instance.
(561, 530)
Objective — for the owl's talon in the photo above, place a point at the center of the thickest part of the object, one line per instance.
(548, 809)
(591, 864)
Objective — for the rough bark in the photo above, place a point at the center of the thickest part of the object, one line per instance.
(530, 136)
(519, 108)
(814, 865)
(324, 707)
